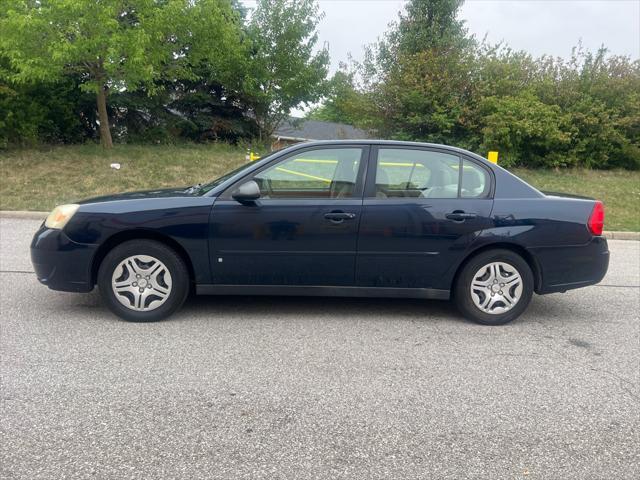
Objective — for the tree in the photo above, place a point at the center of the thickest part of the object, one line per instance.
(428, 24)
(427, 97)
(284, 70)
(526, 131)
(344, 103)
(423, 25)
(195, 110)
(55, 111)
(112, 45)
(421, 74)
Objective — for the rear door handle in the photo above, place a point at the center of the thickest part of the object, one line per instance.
(460, 216)
(339, 216)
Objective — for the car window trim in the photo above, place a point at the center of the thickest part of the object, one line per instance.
(357, 191)
(370, 187)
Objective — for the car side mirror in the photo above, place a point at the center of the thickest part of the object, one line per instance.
(247, 192)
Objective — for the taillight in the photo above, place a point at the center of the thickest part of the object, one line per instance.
(596, 219)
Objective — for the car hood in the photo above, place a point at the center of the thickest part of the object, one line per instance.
(144, 194)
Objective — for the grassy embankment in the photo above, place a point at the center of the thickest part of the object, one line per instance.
(39, 179)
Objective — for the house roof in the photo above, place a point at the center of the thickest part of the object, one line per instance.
(302, 129)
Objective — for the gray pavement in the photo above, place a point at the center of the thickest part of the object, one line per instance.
(296, 388)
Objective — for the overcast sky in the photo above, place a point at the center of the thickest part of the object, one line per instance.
(537, 26)
(540, 27)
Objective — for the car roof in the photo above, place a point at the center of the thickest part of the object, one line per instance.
(396, 143)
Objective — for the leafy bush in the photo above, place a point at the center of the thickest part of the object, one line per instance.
(428, 80)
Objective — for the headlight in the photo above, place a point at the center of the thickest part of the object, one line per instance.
(60, 216)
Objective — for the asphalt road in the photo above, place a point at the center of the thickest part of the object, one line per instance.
(297, 388)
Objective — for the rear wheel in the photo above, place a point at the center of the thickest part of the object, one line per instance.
(494, 287)
(143, 281)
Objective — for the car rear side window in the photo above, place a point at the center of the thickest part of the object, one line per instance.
(416, 173)
(475, 181)
(321, 173)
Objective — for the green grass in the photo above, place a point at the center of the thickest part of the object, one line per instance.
(618, 189)
(39, 179)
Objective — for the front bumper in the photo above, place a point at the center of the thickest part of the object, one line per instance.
(60, 263)
(569, 267)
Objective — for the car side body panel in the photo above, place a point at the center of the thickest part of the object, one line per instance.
(409, 243)
(182, 219)
(280, 242)
(553, 234)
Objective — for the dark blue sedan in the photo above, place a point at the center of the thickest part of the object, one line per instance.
(343, 218)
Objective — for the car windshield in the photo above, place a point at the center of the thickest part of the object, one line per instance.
(202, 189)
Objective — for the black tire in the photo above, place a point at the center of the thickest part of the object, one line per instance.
(176, 267)
(462, 287)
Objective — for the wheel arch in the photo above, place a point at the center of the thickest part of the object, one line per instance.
(513, 247)
(124, 236)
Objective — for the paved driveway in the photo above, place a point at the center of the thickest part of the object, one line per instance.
(302, 388)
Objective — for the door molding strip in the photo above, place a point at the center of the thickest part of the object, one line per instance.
(323, 291)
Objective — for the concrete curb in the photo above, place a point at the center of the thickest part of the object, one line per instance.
(623, 235)
(23, 214)
(42, 215)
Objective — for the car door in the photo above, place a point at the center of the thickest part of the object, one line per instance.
(303, 228)
(422, 209)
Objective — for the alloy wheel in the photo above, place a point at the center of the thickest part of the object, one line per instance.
(141, 283)
(496, 288)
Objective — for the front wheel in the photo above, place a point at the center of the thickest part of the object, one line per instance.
(494, 287)
(143, 281)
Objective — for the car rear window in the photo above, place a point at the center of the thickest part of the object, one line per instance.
(475, 181)
(416, 173)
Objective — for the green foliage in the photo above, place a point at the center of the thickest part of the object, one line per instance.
(284, 70)
(51, 112)
(426, 96)
(195, 111)
(428, 80)
(587, 109)
(169, 71)
(525, 131)
(424, 25)
(428, 24)
(344, 103)
(116, 44)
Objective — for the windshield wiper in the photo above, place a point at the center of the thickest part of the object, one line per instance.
(194, 188)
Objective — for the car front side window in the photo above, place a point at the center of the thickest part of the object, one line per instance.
(329, 173)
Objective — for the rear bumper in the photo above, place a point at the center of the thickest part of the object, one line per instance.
(569, 267)
(60, 263)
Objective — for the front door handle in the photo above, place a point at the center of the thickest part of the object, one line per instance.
(339, 217)
(460, 216)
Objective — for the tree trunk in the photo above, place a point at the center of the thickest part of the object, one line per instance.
(105, 133)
